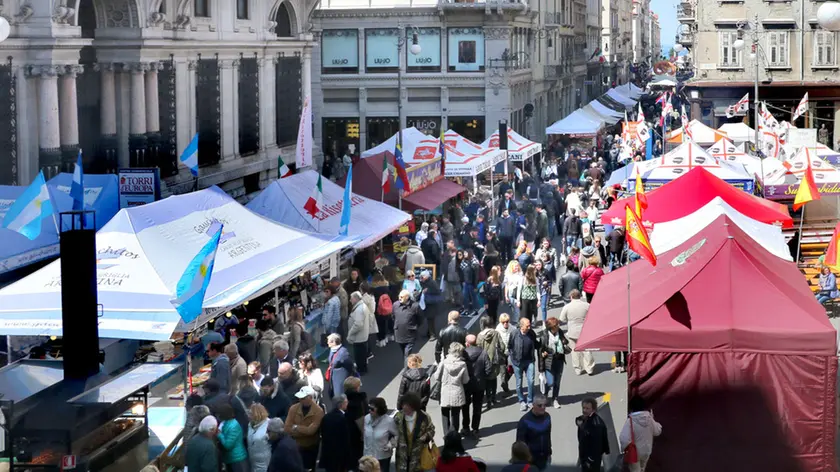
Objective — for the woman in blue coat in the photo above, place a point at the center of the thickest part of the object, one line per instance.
(340, 365)
(828, 286)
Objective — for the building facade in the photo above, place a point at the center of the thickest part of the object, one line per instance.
(476, 63)
(655, 36)
(130, 82)
(793, 55)
(640, 28)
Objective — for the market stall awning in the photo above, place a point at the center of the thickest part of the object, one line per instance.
(464, 158)
(783, 182)
(607, 115)
(630, 90)
(700, 134)
(687, 156)
(16, 250)
(692, 191)
(739, 132)
(725, 150)
(619, 176)
(416, 146)
(284, 199)
(519, 147)
(621, 98)
(670, 234)
(577, 124)
(434, 195)
(142, 253)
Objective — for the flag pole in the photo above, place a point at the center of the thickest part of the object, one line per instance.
(629, 326)
(799, 243)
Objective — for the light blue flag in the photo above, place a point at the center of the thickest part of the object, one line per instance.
(649, 148)
(189, 294)
(77, 187)
(32, 206)
(190, 156)
(348, 204)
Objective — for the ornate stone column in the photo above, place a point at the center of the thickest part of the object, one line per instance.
(153, 137)
(49, 135)
(306, 73)
(107, 156)
(137, 127)
(69, 116)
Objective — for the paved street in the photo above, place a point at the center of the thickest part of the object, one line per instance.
(498, 426)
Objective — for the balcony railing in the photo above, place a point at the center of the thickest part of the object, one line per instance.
(685, 12)
(553, 19)
(686, 39)
(553, 72)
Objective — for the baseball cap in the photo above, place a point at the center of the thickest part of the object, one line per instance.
(305, 391)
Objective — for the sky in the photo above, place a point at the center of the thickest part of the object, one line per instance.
(667, 11)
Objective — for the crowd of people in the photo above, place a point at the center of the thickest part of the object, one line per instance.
(276, 409)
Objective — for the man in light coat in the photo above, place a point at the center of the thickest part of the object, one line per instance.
(413, 255)
(358, 331)
(238, 367)
(574, 314)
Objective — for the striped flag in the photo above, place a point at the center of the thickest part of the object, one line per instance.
(77, 187)
(189, 293)
(190, 156)
(741, 106)
(284, 170)
(807, 191)
(399, 163)
(802, 108)
(27, 211)
(386, 174)
(316, 200)
(637, 237)
(347, 205)
(641, 198)
(443, 153)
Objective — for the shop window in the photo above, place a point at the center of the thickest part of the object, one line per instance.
(340, 136)
(381, 52)
(340, 52)
(470, 128)
(380, 130)
(466, 49)
(201, 8)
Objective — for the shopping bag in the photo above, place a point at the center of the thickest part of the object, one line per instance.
(542, 383)
(429, 456)
(423, 301)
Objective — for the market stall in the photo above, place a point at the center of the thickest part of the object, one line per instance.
(692, 191)
(630, 90)
(519, 148)
(622, 98)
(416, 146)
(686, 157)
(738, 132)
(726, 338)
(142, 253)
(621, 175)
(283, 202)
(726, 150)
(784, 182)
(604, 113)
(576, 125)
(16, 251)
(700, 134)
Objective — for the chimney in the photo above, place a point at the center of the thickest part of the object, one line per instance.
(79, 314)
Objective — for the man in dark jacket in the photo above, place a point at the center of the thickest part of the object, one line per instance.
(507, 203)
(504, 186)
(220, 368)
(522, 346)
(541, 222)
(453, 333)
(534, 429)
(593, 441)
(572, 230)
(480, 369)
(201, 453)
(274, 399)
(285, 456)
(406, 322)
(214, 397)
(335, 438)
(433, 298)
(615, 241)
(506, 232)
(290, 380)
(569, 281)
(431, 250)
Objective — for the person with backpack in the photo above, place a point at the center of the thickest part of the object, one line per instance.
(406, 321)
(639, 430)
(490, 341)
(384, 322)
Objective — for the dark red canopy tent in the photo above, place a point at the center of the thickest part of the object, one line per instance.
(367, 181)
(732, 351)
(692, 191)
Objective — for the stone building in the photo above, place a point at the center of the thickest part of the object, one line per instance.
(478, 63)
(130, 82)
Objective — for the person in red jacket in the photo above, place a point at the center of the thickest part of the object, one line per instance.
(591, 276)
(453, 457)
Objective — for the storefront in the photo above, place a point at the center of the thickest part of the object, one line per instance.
(469, 127)
(340, 51)
(428, 125)
(340, 136)
(379, 129)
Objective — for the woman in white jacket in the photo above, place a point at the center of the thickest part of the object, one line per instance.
(259, 449)
(380, 434)
(358, 330)
(644, 429)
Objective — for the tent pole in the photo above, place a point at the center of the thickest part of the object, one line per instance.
(492, 190)
(799, 243)
(629, 327)
(8, 349)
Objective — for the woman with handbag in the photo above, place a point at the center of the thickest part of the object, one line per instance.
(553, 346)
(636, 438)
(415, 450)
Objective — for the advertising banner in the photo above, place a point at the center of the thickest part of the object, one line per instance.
(788, 191)
(429, 41)
(138, 186)
(745, 185)
(340, 49)
(423, 175)
(381, 48)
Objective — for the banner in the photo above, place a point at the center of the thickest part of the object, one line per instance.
(138, 186)
(303, 150)
(423, 175)
(788, 191)
(745, 185)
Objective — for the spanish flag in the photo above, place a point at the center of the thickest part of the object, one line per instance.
(807, 191)
(832, 254)
(637, 237)
(442, 151)
(641, 198)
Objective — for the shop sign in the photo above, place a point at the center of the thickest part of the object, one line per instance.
(802, 137)
(747, 186)
(427, 126)
(340, 49)
(423, 175)
(466, 49)
(429, 41)
(788, 191)
(381, 48)
(139, 186)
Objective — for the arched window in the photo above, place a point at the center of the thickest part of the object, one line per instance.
(284, 22)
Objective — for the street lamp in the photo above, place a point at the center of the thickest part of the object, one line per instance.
(756, 47)
(678, 48)
(414, 49)
(828, 16)
(5, 29)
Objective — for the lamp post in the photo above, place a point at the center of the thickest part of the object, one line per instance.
(828, 16)
(756, 48)
(414, 49)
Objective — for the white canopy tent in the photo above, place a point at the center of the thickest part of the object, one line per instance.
(726, 150)
(576, 124)
(621, 98)
(416, 146)
(670, 234)
(630, 90)
(519, 148)
(793, 169)
(738, 132)
(685, 157)
(465, 158)
(607, 115)
(700, 134)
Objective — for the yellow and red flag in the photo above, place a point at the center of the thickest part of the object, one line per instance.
(832, 254)
(641, 198)
(637, 237)
(807, 191)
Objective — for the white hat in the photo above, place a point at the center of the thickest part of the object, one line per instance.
(465, 219)
(305, 391)
(208, 423)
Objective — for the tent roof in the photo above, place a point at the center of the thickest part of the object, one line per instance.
(739, 131)
(670, 234)
(619, 176)
(685, 157)
(630, 90)
(621, 98)
(101, 195)
(725, 150)
(690, 192)
(519, 147)
(465, 158)
(142, 253)
(577, 123)
(700, 133)
(283, 202)
(759, 302)
(603, 113)
(416, 146)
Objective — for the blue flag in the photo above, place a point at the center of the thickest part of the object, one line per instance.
(348, 203)
(189, 294)
(77, 187)
(190, 156)
(399, 164)
(649, 148)
(32, 206)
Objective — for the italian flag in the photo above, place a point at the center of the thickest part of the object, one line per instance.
(386, 174)
(315, 202)
(284, 171)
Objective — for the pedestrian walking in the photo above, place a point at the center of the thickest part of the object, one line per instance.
(591, 276)
(431, 298)
(534, 429)
(574, 315)
(480, 370)
(553, 346)
(513, 285)
(304, 426)
(639, 429)
(358, 332)
(415, 431)
(259, 449)
(380, 435)
(357, 408)
(593, 440)
(453, 333)
(522, 346)
(336, 456)
(453, 379)
(415, 379)
(406, 322)
(528, 301)
(489, 340)
(570, 281)
(493, 293)
(520, 458)
(505, 329)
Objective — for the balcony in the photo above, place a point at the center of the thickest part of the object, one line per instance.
(686, 39)
(685, 13)
(553, 72)
(514, 5)
(554, 19)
